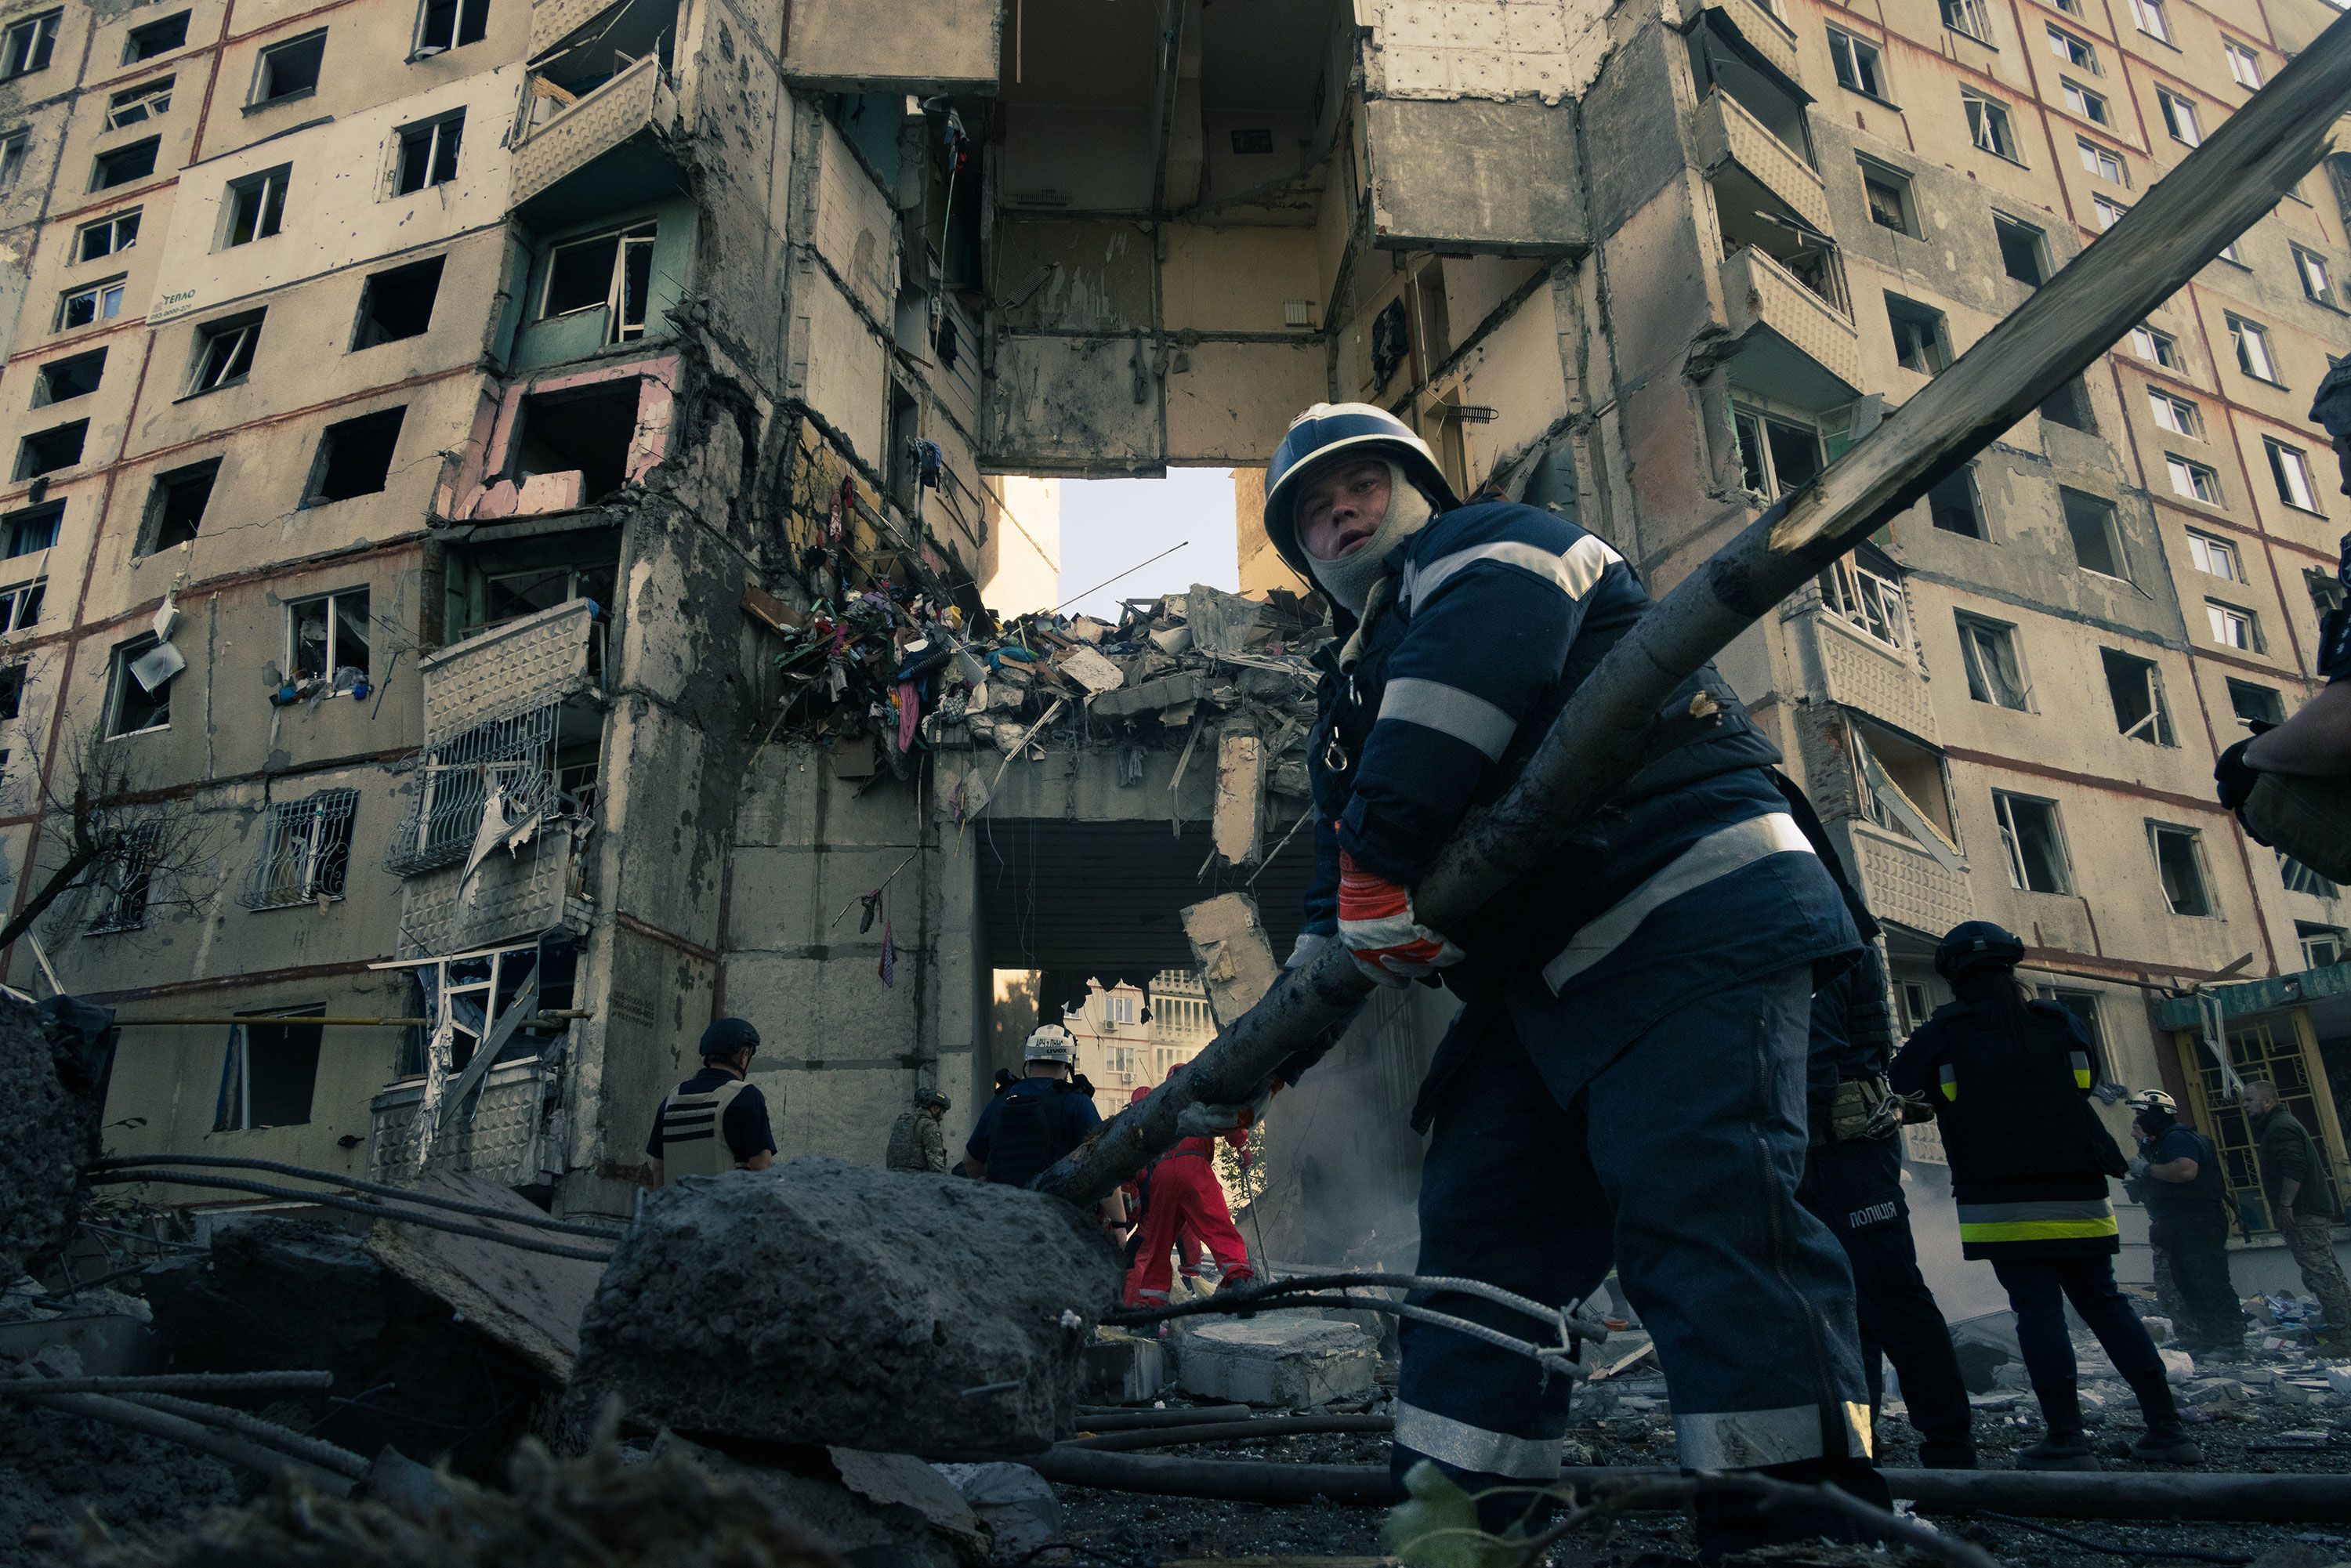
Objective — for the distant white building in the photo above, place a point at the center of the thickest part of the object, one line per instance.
(1129, 1038)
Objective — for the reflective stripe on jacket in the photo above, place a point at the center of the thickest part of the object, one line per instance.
(693, 1131)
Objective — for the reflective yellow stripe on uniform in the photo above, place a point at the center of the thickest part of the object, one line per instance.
(2051, 1220)
(1950, 1081)
(2081, 1069)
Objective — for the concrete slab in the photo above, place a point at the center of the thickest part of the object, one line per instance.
(1292, 1363)
(1122, 1369)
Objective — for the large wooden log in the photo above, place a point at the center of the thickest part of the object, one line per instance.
(1602, 734)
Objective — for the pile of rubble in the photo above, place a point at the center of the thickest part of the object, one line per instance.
(885, 676)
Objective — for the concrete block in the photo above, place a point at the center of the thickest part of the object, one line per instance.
(1240, 797)
(821, 1302)
(2338, 1381)
(2158, 1330)
(1237, 963)
(1122, 1369)
(2179, 1366)
(1275, 1359)
(2216, 1391)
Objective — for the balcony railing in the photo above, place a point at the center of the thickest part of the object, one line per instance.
(1728, 132)
(1760, 296)
(560, 133)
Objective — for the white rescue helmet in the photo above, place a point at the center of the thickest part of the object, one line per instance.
(2154, 1100)
(1330, 430)
(1051, 1042)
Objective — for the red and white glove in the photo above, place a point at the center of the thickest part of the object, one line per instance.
(1201, 1120)
(1376, 923)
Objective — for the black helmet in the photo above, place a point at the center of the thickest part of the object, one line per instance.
(1327, 430)
(925, 1098)
(1972, 942)
(725, 1037)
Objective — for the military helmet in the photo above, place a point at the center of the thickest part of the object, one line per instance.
(1328, 430)
(925, 1098)
(725, 1037)
(1972, 942)
(1051, 1042)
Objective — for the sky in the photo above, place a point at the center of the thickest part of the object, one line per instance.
(1110, 525)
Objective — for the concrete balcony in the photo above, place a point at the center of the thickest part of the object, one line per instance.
(1733, 147)
(1758, 31)
(1901, 882)
(1787, 336)
(576, 155)
(513, 1134)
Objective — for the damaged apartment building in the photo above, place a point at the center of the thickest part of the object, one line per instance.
(457, 446)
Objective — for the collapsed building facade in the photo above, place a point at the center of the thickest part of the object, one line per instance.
(437, 428)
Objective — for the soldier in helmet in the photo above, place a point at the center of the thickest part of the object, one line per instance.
(2008, 1081)
(917, 1141)
(716, 1121)
(1626, 1080)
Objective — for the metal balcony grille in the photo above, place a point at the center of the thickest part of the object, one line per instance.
(515, 755)
(306, 850)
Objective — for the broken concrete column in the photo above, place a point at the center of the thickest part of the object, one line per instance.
(826, 1302)
(1277, 1359)
(48, 1133)
(1238, 821)
(1237, 963)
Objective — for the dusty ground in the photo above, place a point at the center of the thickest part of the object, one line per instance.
(1129, 1531)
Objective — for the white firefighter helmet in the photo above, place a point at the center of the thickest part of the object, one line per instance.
(1051, 1042)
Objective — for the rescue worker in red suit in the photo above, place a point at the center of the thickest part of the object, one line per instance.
(1183, 1201)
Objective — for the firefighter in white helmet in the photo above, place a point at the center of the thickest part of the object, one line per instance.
(1038, 1121)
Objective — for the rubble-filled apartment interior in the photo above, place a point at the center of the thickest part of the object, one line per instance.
(524, 485)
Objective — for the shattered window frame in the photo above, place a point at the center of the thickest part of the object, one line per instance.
(341, 618)
(224, 352)
(458, 775)
(2300, 878)
(1898, 808)
(170, 521)
(425, 154)
(2180, 871)
(2134, 687)
(109, 235)
(124, 165)
(301, 60)
(2323, 946)
(20, 604)
(125, 883)
(2035, 817)
(301, 1035)
(29, 44)
(253, 207)
(1995, 670)
(445, 25)
(306, 852)
(627, 298)
(1990, 126)
(136, 105)
(127, 700)
(90, 304)
(1870, 603)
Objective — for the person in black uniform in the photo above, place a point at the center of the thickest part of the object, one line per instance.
(1030, 1126)
(2008, 1081)
(716, 1121)
(2178, 1177)
(1852, 1183)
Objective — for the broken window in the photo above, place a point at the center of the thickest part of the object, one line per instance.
(30, 531)
(2024, 254)
(2034, 846)
(2084, 1005)
(511, 595)
(489, 587)
(2179, 117)
(398, 303)
(1859, 67)
(2090, 106)
(2155, 348)
(46, 451)
(2255, 704)
(2252, 349)
(1988, 127)
(904, 431)
(175, 507)
(89, 304)
(2098, 539)
(2135, 688)
(14, 145)
(2195, 481)
(12, 690)
(118, 231)
(1887, 191)
(612, 272)
(1905, 790)
(2232, 627)
(255, 206)
(2179, 863)
(1968, 16)
(2069, 406)
(589, 429)
(147, 101)
(290, 69)
(354, 457)
(2300, 878)
(2311, 267)
(125, 878)
(2322, 945)
(2105, 163)
(1920, 342)
(61, 380)
(138, 695)
(157, 38)
(2075, 52)
(1955, 507)
(2289, 467)
(271, 1072)
(427, 154)
(2176, 414)
(511, 760)
(491, 1002)
(1868, 602)
(25, 45)
(306, 850)
(20, 606)
(1777, 456)
(445, 25)
(327, 638)
(1988, 648)
(122, 166)
(224, 351)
